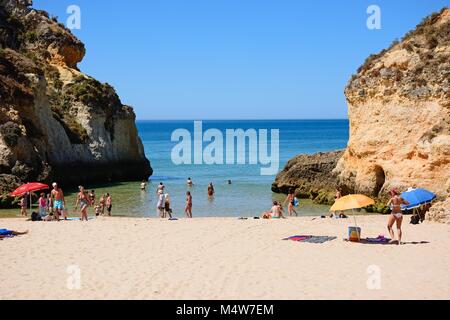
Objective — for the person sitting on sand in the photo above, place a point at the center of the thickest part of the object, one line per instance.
(188, 208)
(395, 203)
(4, 233)
(291, 200)
(84, 201)
(276, 212)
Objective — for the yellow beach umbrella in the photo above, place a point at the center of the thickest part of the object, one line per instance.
(350, 202)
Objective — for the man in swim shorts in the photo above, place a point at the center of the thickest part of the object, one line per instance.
(58, 200)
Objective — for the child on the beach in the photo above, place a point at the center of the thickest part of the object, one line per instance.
(42, 205)
(23, 207)
(97, 210)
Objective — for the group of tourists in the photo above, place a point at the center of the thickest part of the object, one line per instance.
(52, 207)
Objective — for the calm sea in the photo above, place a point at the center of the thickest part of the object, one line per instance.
(249, 194)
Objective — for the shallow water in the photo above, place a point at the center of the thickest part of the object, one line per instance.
(249, 194)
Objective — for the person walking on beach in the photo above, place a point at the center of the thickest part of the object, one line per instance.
(84, 200)
(395, 203)
(291, 200)
(92, 197)
(211, 191)
(23, 206)
(167, 209)
(58, 200)
(108, 203)
(188, 208)
(160, 204)
(42, 205)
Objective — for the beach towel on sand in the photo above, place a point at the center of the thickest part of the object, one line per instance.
(311, 239)
(377, 240)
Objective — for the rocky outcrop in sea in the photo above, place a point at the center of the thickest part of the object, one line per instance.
(57, 123)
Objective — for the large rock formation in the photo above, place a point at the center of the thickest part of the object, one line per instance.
(57, 123)
(311, 176)
(399, 110)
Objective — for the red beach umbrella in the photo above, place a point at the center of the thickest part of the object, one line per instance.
(29, 187)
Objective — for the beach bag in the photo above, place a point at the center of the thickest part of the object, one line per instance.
(35, 217)
(415, 219)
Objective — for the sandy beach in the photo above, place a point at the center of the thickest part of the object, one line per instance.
(221, 258)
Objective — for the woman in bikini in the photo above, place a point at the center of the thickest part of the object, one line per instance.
(84, 201)
(395, 203)
(188, 208)
(291, 199)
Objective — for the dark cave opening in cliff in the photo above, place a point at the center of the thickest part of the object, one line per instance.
(380, 178)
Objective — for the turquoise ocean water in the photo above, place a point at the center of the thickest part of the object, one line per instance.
(249, 194)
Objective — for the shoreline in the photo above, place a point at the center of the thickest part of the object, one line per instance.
(221, 258)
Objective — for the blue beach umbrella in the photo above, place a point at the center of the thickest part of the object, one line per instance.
(417, 197)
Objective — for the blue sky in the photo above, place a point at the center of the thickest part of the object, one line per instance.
(234, 59)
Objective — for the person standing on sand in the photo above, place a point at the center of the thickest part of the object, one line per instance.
(291, 200)
(49, 204)
(188, 208)
(211, 191)
(160, 204)
(84, 201)
(102, 204)
(23, 206)
(58, 200)
(42, 205)
(108, 202)
(92, 197)
(395, 203)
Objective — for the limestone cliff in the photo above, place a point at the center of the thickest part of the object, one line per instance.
(57, 123)
(399, 110)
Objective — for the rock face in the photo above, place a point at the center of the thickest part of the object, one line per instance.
(399, 110)
(311, 176)
(57, 123)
